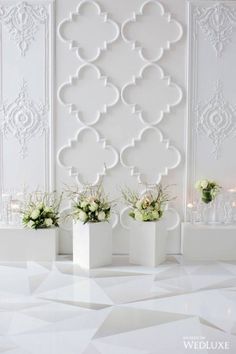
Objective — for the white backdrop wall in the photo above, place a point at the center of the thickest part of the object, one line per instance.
(119, 110)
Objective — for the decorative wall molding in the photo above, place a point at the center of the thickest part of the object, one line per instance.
(157, 140)
(216, 119)
(151, 94)
(23, 118)
(22, 21)
(85, 49)
(217, 23)
(90, 83)
(101, 147)
(145, 37)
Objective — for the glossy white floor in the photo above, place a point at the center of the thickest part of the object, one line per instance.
(59, 309)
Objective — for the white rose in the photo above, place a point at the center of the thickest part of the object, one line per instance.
(30, 224)
(139, 204)
(48, 210)
(138, 216)
(93, 206)
(35, 214)
(84, 204)
(155, 214)
(48, 222)
(204, 183)
(83, 216)
(101, 216)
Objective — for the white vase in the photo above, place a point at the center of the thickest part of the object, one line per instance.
(148, 243)
(22, 244)
(92, 244)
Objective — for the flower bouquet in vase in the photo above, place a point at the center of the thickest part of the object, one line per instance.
(208, 191)
(92, 232)
(148, 232)
(38, 240)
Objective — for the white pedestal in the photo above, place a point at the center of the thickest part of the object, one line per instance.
(208, 242)
(148, 243)
(92, 244)
(21, 244)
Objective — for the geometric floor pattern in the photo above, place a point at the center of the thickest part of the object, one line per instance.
(57, 308)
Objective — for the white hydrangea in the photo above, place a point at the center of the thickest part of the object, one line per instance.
(93, 206)
(35, 214)
(101, 216)
(204, 183)
(48, 222)
(83, 216)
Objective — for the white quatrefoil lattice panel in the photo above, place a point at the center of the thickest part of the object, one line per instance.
(151, 31)
(140, 155)
(88, 31)
(88, 82)
(151, 94)
(87, 146)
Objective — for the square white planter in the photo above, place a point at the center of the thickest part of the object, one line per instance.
(22, 244)
(208, 242)
(148, 243)
(92, 244)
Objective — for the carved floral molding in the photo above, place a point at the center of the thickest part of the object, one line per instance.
(216, 119)
(217, 23)
(88, 31)
(151, 31)
(22, 21)
(23, 119)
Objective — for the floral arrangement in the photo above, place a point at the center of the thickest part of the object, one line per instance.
(90, 204)
(208, 190)
(41, 210)
(149, 206)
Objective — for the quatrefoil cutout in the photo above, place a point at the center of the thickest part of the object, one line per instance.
(88, 94)
(88, 31)
(151, 94)
(88, 157)
(150, 156)
(151, 31)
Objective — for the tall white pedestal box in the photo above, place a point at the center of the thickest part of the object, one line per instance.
(148, 243)
(22, 244)
(92, 244)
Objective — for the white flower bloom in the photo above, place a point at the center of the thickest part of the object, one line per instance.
(83, 216)
(93, 206)
(84, 204)
(35, 214)
(41, 206)
(30, 224)
(138, 216)
(48, 210)
(101, 216)
(204, 183)
(48, 222)
(155, 214)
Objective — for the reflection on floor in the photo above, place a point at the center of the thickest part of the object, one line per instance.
(176, 308)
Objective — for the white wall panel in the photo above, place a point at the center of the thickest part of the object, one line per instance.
(212, 93)
(26, 95)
